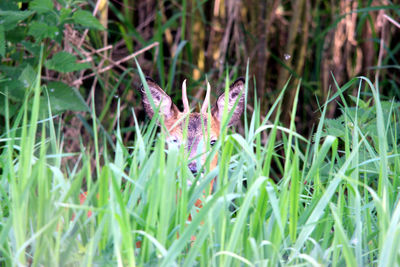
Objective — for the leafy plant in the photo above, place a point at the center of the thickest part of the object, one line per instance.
(24, 30)
(363, 117)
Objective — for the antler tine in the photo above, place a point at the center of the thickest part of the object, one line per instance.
(185, 101)
(206, 100)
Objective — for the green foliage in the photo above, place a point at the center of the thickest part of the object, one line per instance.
(64, 62)
(41, 6)
(22, 34)
(86, 19)
(364, 116)
(122, 210)
(330, 200)
(40, 30)
(62, 98)
(11, 16)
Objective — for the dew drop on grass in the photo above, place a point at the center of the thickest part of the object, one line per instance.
(287, 56)
(116, 96)
(51, 89)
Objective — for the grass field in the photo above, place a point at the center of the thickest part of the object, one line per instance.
(331, 199)
(310, 177)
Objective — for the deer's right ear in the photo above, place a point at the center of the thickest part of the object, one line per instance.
(236, 93)
(160, 99)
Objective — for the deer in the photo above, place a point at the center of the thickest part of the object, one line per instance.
(196, 122)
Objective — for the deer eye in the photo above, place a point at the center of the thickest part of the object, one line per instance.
(212, 142)
(173, 140)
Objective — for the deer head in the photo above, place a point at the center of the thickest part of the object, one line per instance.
(196, 121)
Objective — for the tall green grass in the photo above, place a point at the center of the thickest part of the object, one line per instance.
(334, 202)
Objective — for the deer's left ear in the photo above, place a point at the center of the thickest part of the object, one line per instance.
(236, 93)
(160, 99)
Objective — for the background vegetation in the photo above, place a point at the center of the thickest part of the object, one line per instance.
(312, 178)
(176, 40)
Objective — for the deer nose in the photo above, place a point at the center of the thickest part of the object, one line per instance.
(193, 167)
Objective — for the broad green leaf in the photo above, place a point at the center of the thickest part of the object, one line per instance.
(65, 62)
(9, 19)
(16, 35)
(8, 5)
(64, 13)
(14, 89)
(28, 77)
(41, 6)
(12, 109)
(63, 97)
(41, 30)
(32, 48)
(86, 19)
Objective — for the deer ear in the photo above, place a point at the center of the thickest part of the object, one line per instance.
(236, 91)
(160, 99)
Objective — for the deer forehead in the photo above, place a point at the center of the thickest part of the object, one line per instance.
(196, 123)
(195, 126)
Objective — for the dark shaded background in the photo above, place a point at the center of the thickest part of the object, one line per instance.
(311, 40)
(175, 40)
